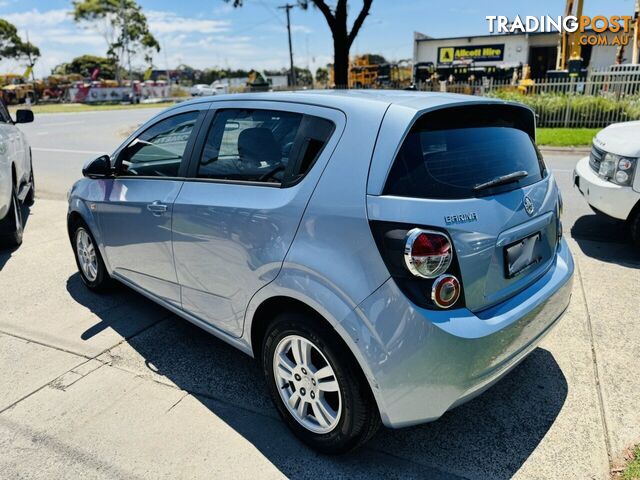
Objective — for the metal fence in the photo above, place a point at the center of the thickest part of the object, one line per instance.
(602, 98)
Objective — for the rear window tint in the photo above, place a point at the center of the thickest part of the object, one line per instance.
(447, 159)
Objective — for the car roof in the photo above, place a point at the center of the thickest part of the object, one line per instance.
(348, 99)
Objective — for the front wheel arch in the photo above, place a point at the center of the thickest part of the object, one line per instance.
(634, 223)
(73, 220)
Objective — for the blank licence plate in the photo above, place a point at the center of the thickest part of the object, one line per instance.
(520, 255)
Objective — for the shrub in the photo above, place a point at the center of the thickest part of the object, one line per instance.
(555, 109)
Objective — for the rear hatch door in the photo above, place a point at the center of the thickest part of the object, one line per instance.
(474, 171)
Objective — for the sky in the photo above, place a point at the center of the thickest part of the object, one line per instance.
(210, 33)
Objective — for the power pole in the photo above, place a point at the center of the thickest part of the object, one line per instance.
(287, 8)
(127, 51)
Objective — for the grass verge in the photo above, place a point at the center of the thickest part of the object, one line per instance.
(632, 470)
(82, 107)
(566, 137)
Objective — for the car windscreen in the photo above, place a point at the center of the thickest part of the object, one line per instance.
(453, 158)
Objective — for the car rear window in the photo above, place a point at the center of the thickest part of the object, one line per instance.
(450, 152)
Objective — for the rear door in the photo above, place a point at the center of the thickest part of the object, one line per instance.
(135, 215)
(443, 176)
(253, 172)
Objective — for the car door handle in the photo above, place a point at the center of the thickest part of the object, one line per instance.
(157, 208)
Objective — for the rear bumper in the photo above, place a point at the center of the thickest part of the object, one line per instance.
(607, 197)
(425, 362)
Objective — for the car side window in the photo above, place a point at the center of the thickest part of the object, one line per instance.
(262, 145)
(158, 151)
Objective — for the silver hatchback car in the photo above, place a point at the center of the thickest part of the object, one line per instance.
(385, 256)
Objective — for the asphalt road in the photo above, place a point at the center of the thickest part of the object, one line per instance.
(113, 386)
(62, 143)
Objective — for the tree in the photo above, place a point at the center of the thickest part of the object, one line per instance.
(13, 47)
(123, 26)
(85, 65)
(304, 77)
(322, 75)
(336, 17)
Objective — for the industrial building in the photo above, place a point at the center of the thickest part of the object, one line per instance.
(499, 55)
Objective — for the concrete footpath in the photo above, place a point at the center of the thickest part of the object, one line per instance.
(112, 386)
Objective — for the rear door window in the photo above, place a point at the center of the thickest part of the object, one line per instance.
(264, 146)
(445, 158)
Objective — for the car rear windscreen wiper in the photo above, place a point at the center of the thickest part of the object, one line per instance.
(502, 180)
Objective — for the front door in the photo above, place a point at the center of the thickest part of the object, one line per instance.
(255, 170)
(135, 218)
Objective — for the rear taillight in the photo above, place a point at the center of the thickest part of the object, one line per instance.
(445, 291)
(427, 254)
(422, 261)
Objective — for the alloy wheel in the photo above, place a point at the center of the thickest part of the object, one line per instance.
(307, 384)
(86, 252)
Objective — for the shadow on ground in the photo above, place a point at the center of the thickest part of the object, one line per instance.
(606, 239)
(6, 253)
(490, 437)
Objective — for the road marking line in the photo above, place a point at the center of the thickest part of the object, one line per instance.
(57, 124)
(62, 150)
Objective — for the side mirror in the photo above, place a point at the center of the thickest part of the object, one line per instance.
(24, 116)
(98, 167)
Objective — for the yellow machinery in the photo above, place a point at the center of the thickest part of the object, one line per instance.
(525, 85)
(569, 57)
(364, 74)
(8, 78)
(17, 90)
(569, 50)
(394, 75)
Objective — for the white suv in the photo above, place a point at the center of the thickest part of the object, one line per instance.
(16, 175)
(607, 178)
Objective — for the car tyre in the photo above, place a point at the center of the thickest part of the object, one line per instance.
(343, 400)
(634, 226)
(88, 259)
(11, 226)
(31, 196)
